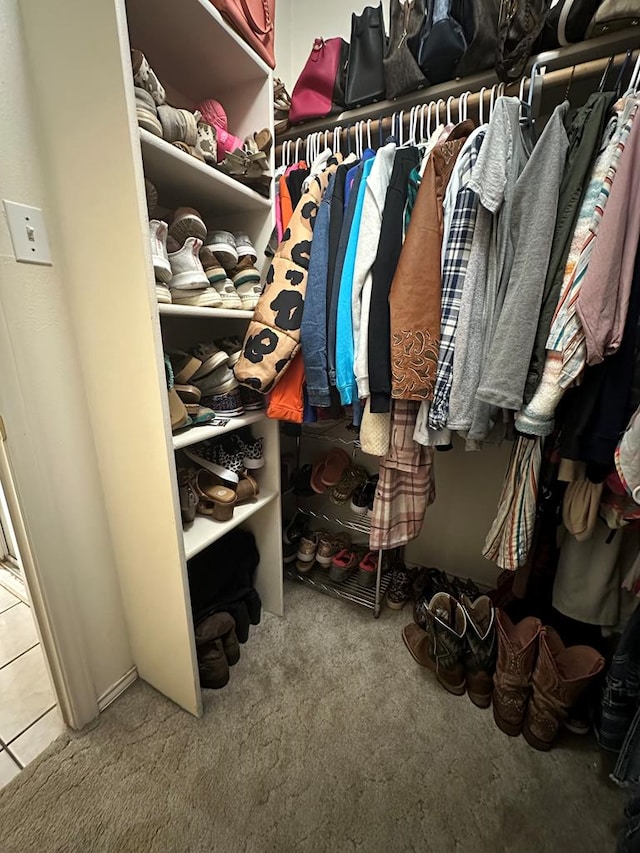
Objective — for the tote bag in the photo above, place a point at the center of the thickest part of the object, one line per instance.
(365, 71)
(253, 20)
(319, 90)
(401, 71)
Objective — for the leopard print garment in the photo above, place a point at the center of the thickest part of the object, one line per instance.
(273, 336)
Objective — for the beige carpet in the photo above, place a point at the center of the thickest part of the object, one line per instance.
(328, 738)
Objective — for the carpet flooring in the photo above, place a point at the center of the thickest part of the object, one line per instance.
(328, 738)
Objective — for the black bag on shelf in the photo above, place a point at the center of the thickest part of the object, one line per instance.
(365, 71)
(402, 73)
(480, 25)
(442, 42)
(566, 23)
(520, 24)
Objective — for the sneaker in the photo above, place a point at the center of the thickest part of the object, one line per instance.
(186, 267)
(207, 298)
(210, 357)
(363, 496)
(368, 569)
(213, 269)
(399, 589)
(163, 294)
(146, 112)
(252, 400)
(206, 143)
(294, 531)
(306, 555)
(145, 78)
(228, 294)
(329, 545)
(245, 248)
(214, 114)
(219, 381)
(208, 455)
(353, 478)
(289, 553)
(252, 449)
(244, 273)
(231, 454)
(187, 222)
(223, 244)
(233, 347)
(249, 294)
(226, 403)
(178, 125)
(158, 232)
(345, 563)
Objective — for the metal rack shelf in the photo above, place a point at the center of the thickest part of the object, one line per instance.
(349, 590)
(358, 523)
(338, 431)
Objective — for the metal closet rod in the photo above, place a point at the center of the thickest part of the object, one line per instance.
(563, 79)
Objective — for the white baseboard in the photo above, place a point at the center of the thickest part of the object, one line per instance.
(117, 689)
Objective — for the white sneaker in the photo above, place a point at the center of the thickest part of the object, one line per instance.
(163, 294)
(249, 294)
(207, 298)
(158, 231)
(186, 266)
(228, 294)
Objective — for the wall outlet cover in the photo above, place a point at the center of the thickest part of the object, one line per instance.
(28, 233)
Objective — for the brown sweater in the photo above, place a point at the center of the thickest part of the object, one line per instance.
(416, 291)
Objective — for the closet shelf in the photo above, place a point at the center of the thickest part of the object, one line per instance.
(182, 179)
(166, 310)
(202, 433)
(361, 524)
(349, 590)
(205, 531)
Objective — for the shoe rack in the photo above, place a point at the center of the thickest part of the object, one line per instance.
(84, 91)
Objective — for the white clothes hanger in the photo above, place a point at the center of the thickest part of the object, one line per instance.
(449, 101)
(481, 105)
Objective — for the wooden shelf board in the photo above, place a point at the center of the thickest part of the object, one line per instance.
(166, 310)
(205, 531)
(202, 433)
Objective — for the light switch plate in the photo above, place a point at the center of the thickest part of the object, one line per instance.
(28, 233)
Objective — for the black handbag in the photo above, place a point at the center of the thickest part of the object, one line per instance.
(365, 71)
(441, 42)
(401, 71)
(566, 23)
(480, 25)
(519, 25)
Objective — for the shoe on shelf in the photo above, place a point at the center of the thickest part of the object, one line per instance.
(191, 150)
(245, 247)
(249, 293)
(295, 529)
(163, 294)
(481, 648)
(226, 404)
(214, 500)
(247, 488)
(206, 143)
(186, 267)
(441, 646)
(399, 589)
(187, 222)
(368, 569)
(353, 478)
(281, 105)
(228, 294)
(208, 455)
(345, 562)
(363, 496)
(213, 269)
(145, 78)
(233, 348)
(244, 272)
(214, 114)
(187, 493)
(253, 448)
(205, 298)
(307, 547)
(252, 400)
(146, 112)
(158, 232)
(328, 469)
(223, 244)
(210, 358)
(329, 545)
(184, 366)
(178, 125)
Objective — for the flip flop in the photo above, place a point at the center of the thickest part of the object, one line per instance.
(335, 464)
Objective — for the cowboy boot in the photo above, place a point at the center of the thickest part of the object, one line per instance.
(561, 675)
(517, 653)
(481, 650)
(441, 646)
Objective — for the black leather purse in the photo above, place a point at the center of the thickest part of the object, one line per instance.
(519, 25)
(401, 71)
(566, 23)
(441, 42)
(365, 71)
(480, 24)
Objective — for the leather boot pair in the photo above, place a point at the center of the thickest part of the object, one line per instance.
(538, 679)
(458, 644)
(217, 648)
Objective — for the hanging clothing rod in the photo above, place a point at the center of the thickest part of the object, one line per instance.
(552, 84)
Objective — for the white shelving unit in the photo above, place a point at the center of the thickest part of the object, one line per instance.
(121, 332)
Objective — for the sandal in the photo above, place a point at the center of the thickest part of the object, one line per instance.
(247, 488)
(215, 500)
(354, 477)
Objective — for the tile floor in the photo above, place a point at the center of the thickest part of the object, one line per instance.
(29, 718)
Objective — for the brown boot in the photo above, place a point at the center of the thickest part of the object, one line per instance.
(441, 646)
(517, 653)
(217, 648)
(560, 676)
(480, 657)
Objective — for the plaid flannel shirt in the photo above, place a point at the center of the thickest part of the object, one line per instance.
(454, 270)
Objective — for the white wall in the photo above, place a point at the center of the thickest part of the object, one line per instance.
(42, 400)
(299, 22)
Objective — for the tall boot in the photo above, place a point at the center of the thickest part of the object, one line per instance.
(560, 676)
(480, 653)
(441, 646)
(517, 653)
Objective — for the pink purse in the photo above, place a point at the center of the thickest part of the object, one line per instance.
(319, 89)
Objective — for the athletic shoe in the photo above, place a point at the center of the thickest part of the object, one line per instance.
(146, 112)
(206, 144)
(252, 400)
(214, 114)
(210, 357)
(307, 548)
(399, 589)
(223, 244)
(145, 78)
(228, 294)
(213, 269)
(251, 447)
(249, 294)
(329, 545)
(187, 222)
(226, 403)
(244, 272)
(207, 298)
(232, 346)
(163, 294)
(218, 381)
(368, 569)
(363, 496)
(178, 125)
(186, 267)
(245, 248)
(158, 232)
(208, 455)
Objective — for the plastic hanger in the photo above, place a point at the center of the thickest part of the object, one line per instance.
(481, 105)
(623, 69)
(492, 99)
(450, 99)
(603, 79)
(633, 82)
